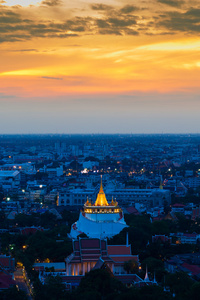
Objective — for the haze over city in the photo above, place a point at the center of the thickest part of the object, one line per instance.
(99, 66)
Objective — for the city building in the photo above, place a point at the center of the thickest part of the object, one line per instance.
(147, 197)
(9, 179)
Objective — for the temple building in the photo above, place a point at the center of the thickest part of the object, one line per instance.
(93, 253)
(89, 253)
(99, 220)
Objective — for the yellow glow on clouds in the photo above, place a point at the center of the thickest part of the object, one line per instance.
(91, 62)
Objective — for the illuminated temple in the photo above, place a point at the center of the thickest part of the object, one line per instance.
(99, 220)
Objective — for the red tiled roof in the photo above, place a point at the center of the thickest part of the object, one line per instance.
(76, 245)
(103, 245)
(122, 259)
(6, 281)
(190, 235)
(128, 278)
(30, 230)
(178, 205)
(132, 210)
(192, 268)
(7, 261)
(90, 243)
(119, 250)
(89, 251)
(161, 237)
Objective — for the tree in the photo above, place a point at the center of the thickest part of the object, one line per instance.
(131, 266)
(52, 290)
(101, 283)
(195, 291)
(180, 284)
(13, 293)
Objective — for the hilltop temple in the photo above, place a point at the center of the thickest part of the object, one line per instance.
(99, 220)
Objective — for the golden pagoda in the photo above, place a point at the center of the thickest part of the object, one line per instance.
(101, 219)
(101, 204)
(101, 197)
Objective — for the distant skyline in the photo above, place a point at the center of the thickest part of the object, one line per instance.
(112, 66)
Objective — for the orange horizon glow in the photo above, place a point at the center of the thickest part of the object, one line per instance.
(163, 67)
(123, 60)
(92, 63)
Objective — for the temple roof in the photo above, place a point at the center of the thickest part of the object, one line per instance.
(89, 249)
(101, 197)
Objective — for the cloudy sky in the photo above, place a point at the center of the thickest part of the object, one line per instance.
(113, 66)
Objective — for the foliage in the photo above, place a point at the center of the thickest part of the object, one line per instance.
(69, 217)
(143, 293)
(195, 291)
(155, 267)
(131, 266)
(99, 283)
(180, 284)
(52, 290)
(13, 293)
(42, 246)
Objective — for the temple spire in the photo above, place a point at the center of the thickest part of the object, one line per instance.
(146, 279)
(101, 197)
(101, 186)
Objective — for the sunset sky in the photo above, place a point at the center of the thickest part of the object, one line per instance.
(112, 66)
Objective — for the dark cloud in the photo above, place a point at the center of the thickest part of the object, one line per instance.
(174, 3)
(53, 78)
(76, 25)
(102, 23)
(14, 38)
(9, 17)
(110, 31)
(128, 9)
(101, 7)
(193, 12)
(51, 2)
(131, 32)
(117, 25)
(23, 50)
(14, 28)
(185, 22)
(122, 22)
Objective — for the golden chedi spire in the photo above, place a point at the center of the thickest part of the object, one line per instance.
(88, 203)
(112, 203)
(101, 197)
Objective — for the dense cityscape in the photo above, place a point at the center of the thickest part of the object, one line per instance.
(99, 150)
(100, 216)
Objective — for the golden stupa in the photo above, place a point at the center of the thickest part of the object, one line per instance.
(101, 197)
(101, 204)
(100, 219)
